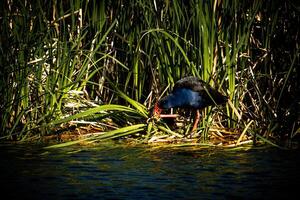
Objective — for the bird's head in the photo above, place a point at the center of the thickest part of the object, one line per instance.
(163, 103)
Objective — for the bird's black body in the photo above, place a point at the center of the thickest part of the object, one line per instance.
(191, 92)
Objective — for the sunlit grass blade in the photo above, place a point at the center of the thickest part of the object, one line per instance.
(91, 111)
(105, 135)
(140, 107)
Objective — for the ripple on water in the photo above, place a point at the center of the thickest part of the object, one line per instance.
(141, 173)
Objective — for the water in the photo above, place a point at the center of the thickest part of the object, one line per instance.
(81, 172)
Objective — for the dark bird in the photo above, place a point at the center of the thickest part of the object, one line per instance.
(191, 93)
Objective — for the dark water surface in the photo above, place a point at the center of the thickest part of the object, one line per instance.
(80, 172)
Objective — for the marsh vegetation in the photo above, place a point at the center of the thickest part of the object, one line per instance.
(96, 68)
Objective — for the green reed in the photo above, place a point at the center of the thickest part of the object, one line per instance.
(127, 53)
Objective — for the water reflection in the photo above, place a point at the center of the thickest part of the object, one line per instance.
(140, 172)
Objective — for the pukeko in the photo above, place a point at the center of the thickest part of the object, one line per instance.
(192, 93)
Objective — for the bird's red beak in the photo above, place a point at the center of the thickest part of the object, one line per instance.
(156, 110)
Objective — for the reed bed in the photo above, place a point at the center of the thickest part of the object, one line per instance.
(97, 67)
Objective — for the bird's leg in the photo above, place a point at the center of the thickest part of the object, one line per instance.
(171, 115)
(157, 113)
(197, 117)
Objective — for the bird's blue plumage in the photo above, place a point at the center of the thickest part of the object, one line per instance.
(184, 98)
(191, 92)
